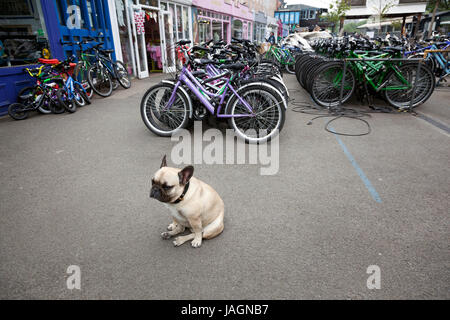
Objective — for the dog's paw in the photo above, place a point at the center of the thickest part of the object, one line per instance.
(171, 226)
(196, 243)
(165, 235)
(178, 242)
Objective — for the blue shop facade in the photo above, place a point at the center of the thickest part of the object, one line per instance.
(32, 29)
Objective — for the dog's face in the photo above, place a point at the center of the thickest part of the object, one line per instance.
(168, 183)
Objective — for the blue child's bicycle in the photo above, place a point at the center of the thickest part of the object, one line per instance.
(72, 94)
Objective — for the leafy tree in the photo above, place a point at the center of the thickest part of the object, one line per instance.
(382, 8)
(434, 6)
(336, 13)
(443, 5)
(353, 26)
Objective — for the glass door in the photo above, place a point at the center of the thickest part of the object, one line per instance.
(167, 41)
(140, 52)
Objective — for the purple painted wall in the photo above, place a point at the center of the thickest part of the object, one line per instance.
(229, 7)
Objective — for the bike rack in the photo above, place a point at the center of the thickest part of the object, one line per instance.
(345, 60)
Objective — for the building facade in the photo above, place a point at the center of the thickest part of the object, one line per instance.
(142, 33)
(147, 31)
(222, 19)
(361, 9)
(263, 18)
(32, 29)
(299, 16)
(398, 8)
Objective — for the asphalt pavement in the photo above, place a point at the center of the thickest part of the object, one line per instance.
(75, 191)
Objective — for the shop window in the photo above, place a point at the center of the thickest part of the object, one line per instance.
(22, 33)
(237, 29)
(174, 25)
(123, 34)
(217, 30)
(204, 27)
(152, 3)
(187, 31)
(14, 8)
(179, 23)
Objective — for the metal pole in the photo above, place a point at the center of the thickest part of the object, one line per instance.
(341, 94)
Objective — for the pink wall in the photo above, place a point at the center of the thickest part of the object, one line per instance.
(226, 8)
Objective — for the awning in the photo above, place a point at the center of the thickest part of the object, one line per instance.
(398, 10)
(376, 25)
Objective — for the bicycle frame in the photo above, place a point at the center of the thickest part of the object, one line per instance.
(282, 55)
(107, 63)
(438, 56)
(84, 59)
(69, 86)
(205, 97)
(39, 101)
(370, 69)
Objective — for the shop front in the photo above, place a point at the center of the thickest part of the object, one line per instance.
(222, 19)
(259, 30)
(273, 25)
(148, 31)
(211, 25)
(32, 29)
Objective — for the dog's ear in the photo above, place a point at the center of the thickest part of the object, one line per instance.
(186, 174)
(163, 162)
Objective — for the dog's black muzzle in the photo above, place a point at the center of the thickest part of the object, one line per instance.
(155, 192)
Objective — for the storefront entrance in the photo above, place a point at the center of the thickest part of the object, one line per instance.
(154, 46)
(148, 30)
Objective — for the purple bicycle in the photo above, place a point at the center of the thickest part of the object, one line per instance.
(255, 110)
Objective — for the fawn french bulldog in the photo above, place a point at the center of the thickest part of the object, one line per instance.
(192, 203)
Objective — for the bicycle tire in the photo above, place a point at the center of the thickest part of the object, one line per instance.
(122, 75)
(256, 89)
(425, 85)
(152, 116)
(102, 79)
(328, 94)
(64, 101)
(15, 114)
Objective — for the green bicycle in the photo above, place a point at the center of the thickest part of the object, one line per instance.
(283, 56)
(394, 81)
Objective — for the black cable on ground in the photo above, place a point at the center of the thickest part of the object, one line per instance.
(319, 112)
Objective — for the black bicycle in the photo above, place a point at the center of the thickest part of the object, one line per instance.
(104, 73)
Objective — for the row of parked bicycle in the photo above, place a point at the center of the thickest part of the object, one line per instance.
(372, 68)
(230, 82)
(64, 85)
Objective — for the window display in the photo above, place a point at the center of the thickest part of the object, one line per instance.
(23, 36)
(180, 17)
(212, 25)
(237, 29)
